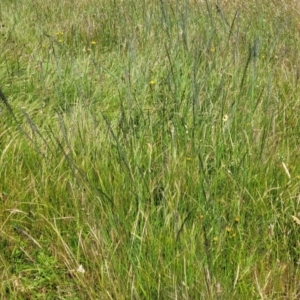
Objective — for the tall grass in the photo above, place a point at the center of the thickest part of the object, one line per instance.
(148, 150)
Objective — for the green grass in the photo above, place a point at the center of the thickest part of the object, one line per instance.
(149, 150)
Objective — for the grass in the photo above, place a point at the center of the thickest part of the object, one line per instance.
(149, 150)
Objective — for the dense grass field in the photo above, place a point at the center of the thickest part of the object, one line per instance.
(149, 149)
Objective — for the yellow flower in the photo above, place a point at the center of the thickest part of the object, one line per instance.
(152, 82)
(237, 219)
(60, 41)
(296, 220)
(228, 229)
(93, 42)
(212, 49)
(225, 118)
(215, 239)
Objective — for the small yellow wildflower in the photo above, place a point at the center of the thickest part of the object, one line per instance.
(228, 229)
(212, 49)
(215, 239)
(237, 219)
(60, 41)
(296, 220)
(152, 82)
(93, 42)
(225, 118)
(201, 217)
(233, 235)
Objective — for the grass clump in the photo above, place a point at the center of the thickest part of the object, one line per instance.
(148, 150)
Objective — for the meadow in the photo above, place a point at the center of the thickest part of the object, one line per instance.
(149, 149)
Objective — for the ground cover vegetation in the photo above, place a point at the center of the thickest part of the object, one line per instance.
(149, 149)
